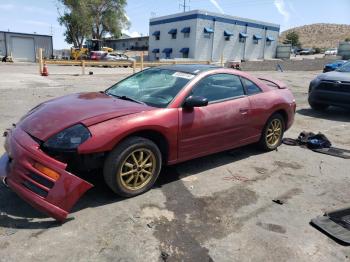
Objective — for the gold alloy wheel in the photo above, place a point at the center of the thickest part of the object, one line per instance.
(137, 169)
(274, 133)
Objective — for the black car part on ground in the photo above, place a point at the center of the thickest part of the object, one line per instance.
(310, 140)
(317, 143)
(336, 224)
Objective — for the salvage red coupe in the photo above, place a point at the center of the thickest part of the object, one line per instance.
(159, 116)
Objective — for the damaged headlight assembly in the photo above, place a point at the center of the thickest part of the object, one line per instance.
(69, 139)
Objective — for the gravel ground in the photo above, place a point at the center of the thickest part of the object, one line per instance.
(216, 208)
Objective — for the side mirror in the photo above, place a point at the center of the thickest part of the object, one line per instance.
(195, 101)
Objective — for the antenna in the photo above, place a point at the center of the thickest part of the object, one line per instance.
(51, 30)
(184, 5)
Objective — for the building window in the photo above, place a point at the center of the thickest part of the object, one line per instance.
(208, 32)
(227, 35)
(173, 33)
(256, 39)
(167, 52)
(156, 35)
(269, 40)
(242, 37)
(186, 31)
(185, 52)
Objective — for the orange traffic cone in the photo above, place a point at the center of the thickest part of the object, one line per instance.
(45, 71)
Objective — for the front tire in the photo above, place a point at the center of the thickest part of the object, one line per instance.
(272, 133)
(133, 166)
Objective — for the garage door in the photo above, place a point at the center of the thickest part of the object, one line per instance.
(23, 48)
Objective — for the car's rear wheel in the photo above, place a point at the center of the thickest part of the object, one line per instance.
(272, 134)
(133, 166)
(318, 106)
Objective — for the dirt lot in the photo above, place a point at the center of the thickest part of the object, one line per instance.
(199, 210)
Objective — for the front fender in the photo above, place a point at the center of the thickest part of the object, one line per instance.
(106, 135)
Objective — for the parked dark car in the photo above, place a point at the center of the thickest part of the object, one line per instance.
(331, 89)
(297, 51)
(307, 51)
(333, 65)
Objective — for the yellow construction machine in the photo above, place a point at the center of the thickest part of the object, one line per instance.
(90, 45)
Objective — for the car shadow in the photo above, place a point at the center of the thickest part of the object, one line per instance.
(332, 113)
(15, 213)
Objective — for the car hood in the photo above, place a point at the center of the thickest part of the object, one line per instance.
(331, 65)
(55, 115)
(335, 75)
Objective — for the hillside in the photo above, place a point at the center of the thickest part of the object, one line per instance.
(320, 35)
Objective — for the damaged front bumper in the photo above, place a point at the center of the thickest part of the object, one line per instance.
(53, 195)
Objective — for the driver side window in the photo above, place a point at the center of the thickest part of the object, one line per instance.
(219, 87)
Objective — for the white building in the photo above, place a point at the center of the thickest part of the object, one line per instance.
(128, 43)
(202, 35)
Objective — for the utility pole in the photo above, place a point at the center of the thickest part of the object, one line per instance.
(185, 5)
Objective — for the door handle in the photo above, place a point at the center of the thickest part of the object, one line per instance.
(244, 111)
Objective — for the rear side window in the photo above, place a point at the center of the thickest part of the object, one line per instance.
(251, 87)
(219, 87)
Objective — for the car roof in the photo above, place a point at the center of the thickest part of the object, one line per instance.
(190, 68)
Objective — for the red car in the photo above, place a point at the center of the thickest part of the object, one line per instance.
(97, 55)
(160, 116)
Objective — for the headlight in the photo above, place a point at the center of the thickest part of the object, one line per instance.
(68, 139)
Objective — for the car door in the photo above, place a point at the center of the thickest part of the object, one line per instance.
(259, 107)
(218, 126)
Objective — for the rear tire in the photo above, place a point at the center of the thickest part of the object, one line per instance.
(272, 134)
(133, 166)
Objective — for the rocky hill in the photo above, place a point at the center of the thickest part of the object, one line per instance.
(320, 35)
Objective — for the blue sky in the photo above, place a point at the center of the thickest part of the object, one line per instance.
(40, 16)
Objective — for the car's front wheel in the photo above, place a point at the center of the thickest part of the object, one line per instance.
(272, 133)
(133, 166)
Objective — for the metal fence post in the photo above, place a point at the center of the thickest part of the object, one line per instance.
(134, 66)
(40, 50)
(83, 67)
(141, 57)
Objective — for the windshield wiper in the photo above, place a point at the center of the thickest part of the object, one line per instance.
(127, 98)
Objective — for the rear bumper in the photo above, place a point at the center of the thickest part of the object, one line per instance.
(54, 198)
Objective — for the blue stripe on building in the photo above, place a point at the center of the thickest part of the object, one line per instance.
(213, 18)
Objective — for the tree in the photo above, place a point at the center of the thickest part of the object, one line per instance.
(76, 19)
(347, 39)
(108, 16)
(292, 38)
(92, 19)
